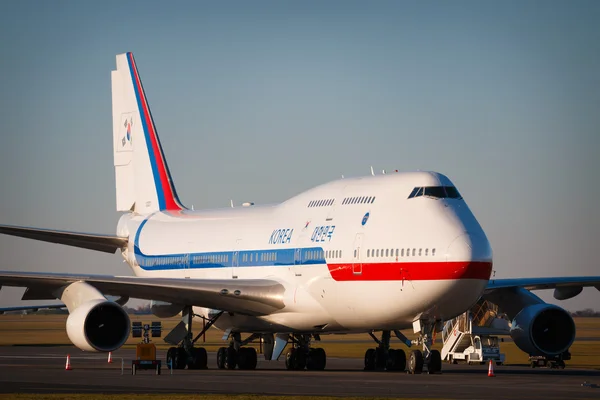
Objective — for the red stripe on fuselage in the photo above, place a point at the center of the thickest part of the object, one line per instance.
(410, 271)
(170, 201)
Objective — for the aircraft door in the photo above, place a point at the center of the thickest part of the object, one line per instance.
(235, 260)
(297, 262)
(357, 256)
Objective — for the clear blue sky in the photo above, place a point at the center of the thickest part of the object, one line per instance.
(257, 101)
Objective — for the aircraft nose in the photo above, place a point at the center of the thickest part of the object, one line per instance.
(471, 254)
(469, 247)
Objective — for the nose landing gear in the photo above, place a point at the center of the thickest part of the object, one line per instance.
(428, 357)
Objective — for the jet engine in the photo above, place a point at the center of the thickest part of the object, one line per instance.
(98, 325)
(162, 309)
(94, 323)
(543, 330)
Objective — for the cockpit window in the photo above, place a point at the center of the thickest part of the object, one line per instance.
(436, 192)
(453, 192)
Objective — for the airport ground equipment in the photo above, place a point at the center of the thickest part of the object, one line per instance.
(557, 362)
(472, 337)
(145, 352)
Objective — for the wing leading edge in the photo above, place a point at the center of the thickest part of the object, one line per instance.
(245, 296)
(544, 283)
(104, 243)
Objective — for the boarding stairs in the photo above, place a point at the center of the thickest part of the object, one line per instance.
(472, 336)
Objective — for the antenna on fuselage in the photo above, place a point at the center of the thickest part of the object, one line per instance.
(372, 172)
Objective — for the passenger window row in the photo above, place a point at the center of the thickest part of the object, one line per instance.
(333, 254)
(398, 252)
(321, 203)
(359, 200)
(210, 259)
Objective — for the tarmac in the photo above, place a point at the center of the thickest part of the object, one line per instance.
(42, 370)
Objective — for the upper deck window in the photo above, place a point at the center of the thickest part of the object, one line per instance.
(436, 192)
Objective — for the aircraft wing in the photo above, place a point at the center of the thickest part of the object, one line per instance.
(105, 243)
(244, 296)
(31, 308)
(543, 283)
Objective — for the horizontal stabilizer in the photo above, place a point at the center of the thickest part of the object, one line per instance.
(105, 243)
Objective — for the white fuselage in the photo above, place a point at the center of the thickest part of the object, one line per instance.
(353, 254)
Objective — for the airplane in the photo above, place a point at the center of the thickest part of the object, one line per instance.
(373, 254)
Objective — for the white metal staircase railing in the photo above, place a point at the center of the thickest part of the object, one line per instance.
(456, 334)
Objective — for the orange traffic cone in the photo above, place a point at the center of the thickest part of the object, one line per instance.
(491, 370)
(110, 357)
(68, 364)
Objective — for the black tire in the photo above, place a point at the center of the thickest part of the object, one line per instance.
(300, 361)
(415, 362)
(380, 359)
(370, 360)
(179, 358)
(396, 360)
(221, 355)
(230, 358)
(170, 356)
(434, 366)
(198, 359)
(317, 359)
(290, 359)
(322, 358)
(247, 358)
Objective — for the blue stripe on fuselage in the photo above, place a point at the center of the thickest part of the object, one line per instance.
(227, 259)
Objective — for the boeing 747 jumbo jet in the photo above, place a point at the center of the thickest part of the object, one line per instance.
(364, 255)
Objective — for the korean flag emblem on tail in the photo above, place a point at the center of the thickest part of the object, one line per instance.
(126, 133)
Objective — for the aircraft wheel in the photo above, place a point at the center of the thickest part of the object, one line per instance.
(290, 359)
(221, 356)
(198, 358)
(230, 358)
(415, 362)
(434, 365)
(179, 358)
(370, 360)
(396, 360)
(380, 359)
(317, 359)
(247, 358)
(170, 357)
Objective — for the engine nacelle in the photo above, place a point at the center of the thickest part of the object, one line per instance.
(98, 325)
(543, 330)
(162, 309)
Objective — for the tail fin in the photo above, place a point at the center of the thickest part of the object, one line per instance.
(143, 181)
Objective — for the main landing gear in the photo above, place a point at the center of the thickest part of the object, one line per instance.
(383, 357)
(185, 354)
(301, 355)
(236, 354)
